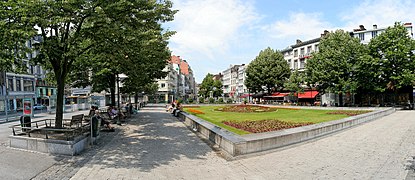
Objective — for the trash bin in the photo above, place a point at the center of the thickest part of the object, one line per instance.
(25, 122)
(95, 126)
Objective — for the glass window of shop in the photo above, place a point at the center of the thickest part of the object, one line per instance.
(18, 85)
(10, 85)
(28, 85)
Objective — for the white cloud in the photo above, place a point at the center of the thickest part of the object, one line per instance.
(207, 27)
(299, 25)
(381, 12)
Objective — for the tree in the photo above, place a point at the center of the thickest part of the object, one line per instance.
(206, 86)
(335, 66)
(70, 30)
(217, 88)
(393, 53)
(269, 70)
(295, 82)
(209, 85)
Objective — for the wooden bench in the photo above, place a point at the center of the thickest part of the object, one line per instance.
(75, 121)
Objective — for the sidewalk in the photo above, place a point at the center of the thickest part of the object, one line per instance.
(19, 164)
(155, 145)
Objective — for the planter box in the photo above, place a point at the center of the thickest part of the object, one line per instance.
(51, 146)
(236, 145)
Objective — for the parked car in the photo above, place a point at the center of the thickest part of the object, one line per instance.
(39, 106)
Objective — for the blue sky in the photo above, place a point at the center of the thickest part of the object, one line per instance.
(213, 34)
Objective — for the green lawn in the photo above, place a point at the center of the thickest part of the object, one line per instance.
(301, 115)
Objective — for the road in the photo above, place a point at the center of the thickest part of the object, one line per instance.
(155, 145)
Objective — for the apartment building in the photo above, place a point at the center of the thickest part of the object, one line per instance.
(19, 88)
(233, 81)
(179, 83)
(365, 35)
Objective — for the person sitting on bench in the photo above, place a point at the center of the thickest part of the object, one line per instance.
(104, 122)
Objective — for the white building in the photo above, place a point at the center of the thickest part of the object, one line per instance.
(365, 35)
(179, 83)
(233, 81)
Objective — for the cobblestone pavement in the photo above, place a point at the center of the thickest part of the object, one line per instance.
(155, 145)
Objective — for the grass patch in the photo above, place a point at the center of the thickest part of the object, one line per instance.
(311, 116)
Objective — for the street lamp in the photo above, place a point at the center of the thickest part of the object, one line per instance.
(118, 97)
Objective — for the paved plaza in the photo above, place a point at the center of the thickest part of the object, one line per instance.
(155, 145)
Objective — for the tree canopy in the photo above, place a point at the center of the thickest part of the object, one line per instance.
(269, 70)
(336, 64)
(210, 85)
(295, 82)
(74, 31)
(393, 53)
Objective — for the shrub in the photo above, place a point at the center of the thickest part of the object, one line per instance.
(220, 100)
(211, 100)
(190, 101)
(201, 100)
(229, 100)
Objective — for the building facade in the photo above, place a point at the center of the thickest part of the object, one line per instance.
(179, 82)
(365, 35)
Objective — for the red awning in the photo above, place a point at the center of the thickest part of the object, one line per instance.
(245, 95)
(281, 95)
(308, 94)
(277, 94)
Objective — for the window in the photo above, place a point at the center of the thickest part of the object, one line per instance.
(41, 92)
(295, 53)
(295, 64)
(47, 92)
(308, 49)
(10, 85)
(51, 91)
(302, 63)
(302, 51)
(27, 85)
(316, 47)
(374, 34)
(362, 36)
(163, 85)
(289, 63)
(18, 85)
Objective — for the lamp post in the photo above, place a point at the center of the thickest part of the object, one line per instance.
(118, 97)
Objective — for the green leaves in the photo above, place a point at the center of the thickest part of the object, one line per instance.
(209, 85)
(393, 53)
(336, 65)
(268, 71)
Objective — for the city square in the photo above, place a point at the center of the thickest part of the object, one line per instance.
(207, 89)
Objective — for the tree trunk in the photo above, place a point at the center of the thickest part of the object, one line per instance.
(112, 89)
(59, 100)
(340, 99)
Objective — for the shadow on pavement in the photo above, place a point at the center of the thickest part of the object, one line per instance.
(151, 139)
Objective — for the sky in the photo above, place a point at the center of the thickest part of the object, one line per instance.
(213, 34)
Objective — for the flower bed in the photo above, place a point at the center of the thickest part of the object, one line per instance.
(349, 113)
(264, 125)
(195, 111)
(245, 109)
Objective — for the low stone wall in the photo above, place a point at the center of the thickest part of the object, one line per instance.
(235, 145)
(51, 146)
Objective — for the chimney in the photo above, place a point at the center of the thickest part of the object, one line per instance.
(298, 41)
(324, 33)
(375, 26)
(361, 27)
